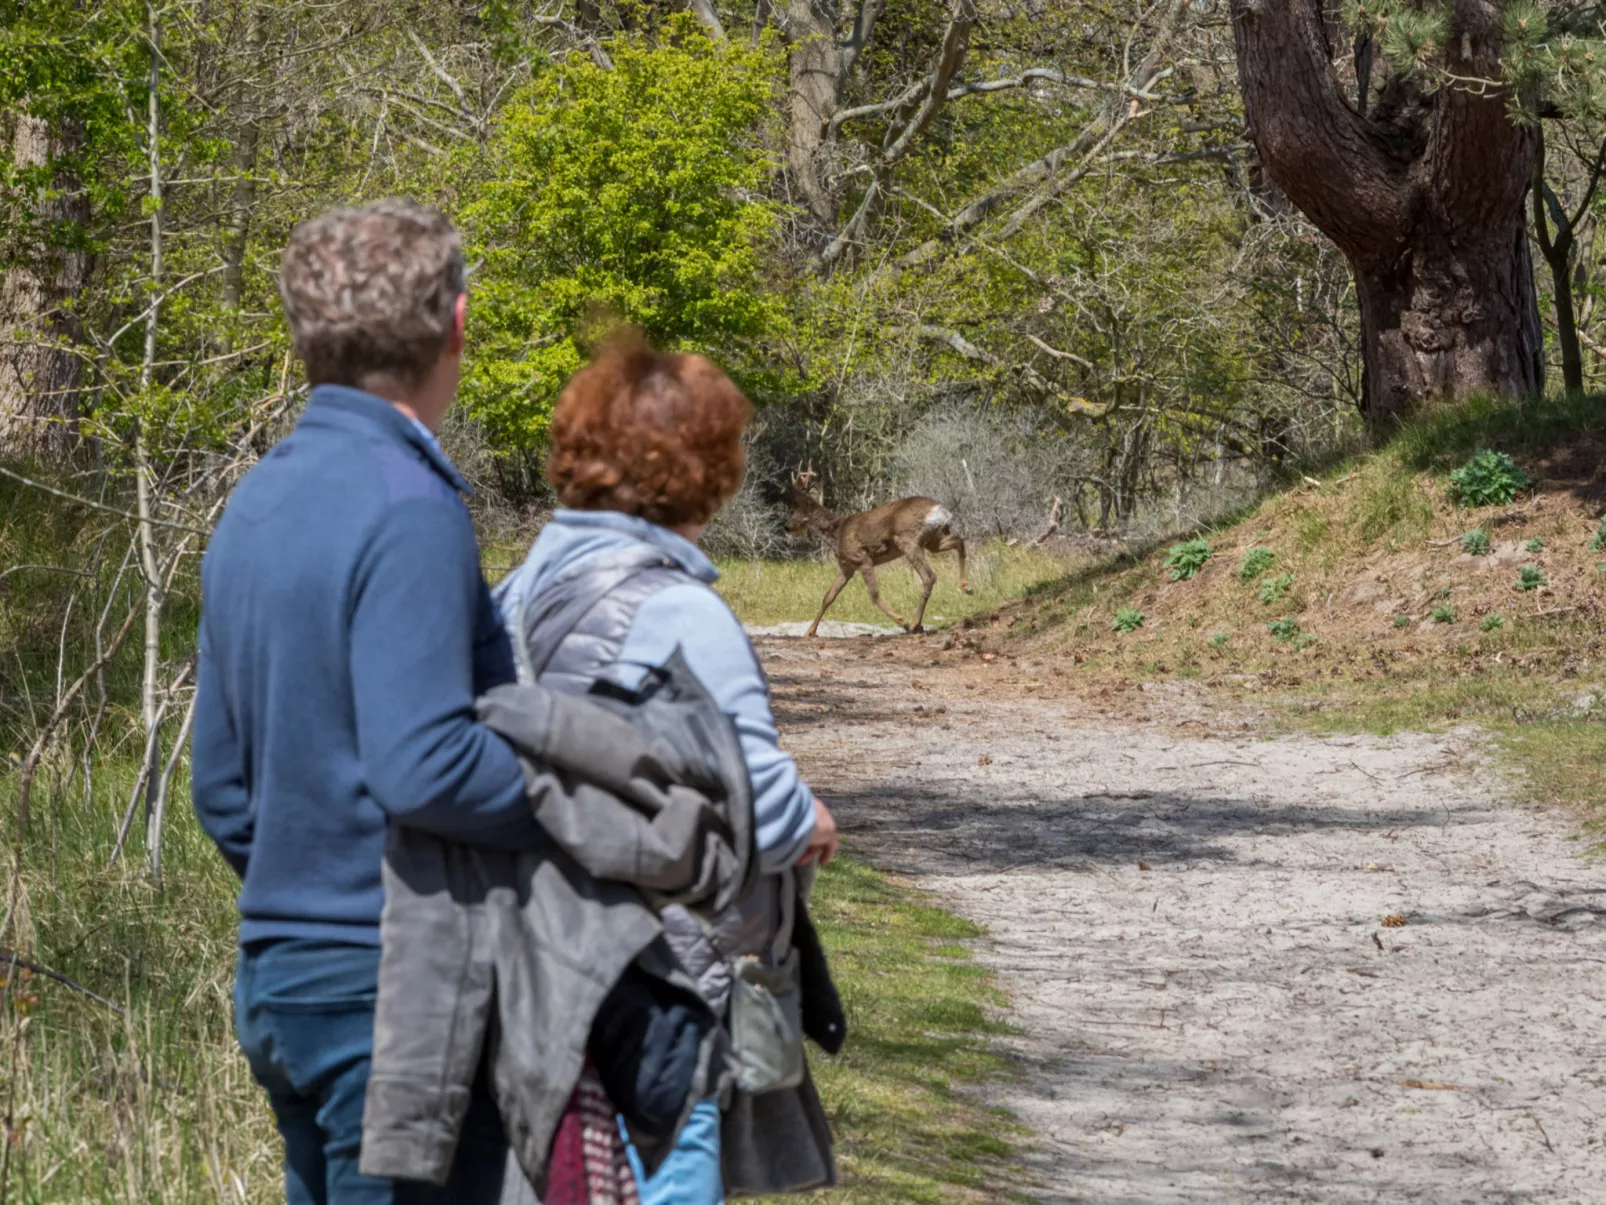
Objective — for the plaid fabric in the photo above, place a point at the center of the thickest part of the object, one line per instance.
(588, 1164)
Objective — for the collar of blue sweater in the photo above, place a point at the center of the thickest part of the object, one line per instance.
(350, 409)
(677, 547)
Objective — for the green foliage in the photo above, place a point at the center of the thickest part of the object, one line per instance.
(1475, 542)
(1186, 559)
(1534, 545)
(1273, 588)
(1444, 613)
(1488, 479)
(1219, 640)
(1530, 577)
(1597, 542)
(1402, 621)
(1285, 628)
(636, 193)
(1492, 623)
(1256, 561)
(1127, 619)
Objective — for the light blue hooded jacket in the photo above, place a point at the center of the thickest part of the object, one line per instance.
(695, 618)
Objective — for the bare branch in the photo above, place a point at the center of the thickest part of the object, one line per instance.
(1056, 352)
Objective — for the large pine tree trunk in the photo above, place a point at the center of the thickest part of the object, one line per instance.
(1423, 190)
(39, 374)
(1448, 318)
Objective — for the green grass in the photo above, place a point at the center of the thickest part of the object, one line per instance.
(767, 592)
(918, 1033)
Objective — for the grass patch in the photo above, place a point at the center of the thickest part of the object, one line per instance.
(160, 1106)
(766, 592)
(917, 1031)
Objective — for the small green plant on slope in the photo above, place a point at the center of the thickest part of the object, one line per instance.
(1285, 628)
(1257, 560)
(1492, 623)
(1273, 588)
(1530, 577)
(1402, 621)
(1597, 542)
(1534, 545)
(1219, 640)
(1475, 542)
(1127, 619)
(1444, 613)
(1187, 558)
(1489, 479)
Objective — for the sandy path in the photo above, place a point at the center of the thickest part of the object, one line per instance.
(1234, 1023)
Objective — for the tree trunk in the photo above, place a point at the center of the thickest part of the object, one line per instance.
(1447, 318)
(818, 66)
(1423, 193)
(39, 372)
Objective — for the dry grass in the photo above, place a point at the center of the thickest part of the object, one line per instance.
(1396, 626)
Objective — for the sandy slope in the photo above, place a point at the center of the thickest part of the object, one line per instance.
(1234, 1023)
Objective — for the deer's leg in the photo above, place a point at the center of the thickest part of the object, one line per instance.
(868, 573)
(928, 581)
(830, 597)
(952, 543)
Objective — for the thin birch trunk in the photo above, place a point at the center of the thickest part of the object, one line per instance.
(151, 710)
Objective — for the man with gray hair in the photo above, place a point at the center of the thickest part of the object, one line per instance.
(346, 630)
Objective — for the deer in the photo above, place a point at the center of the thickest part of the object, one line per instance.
(908, 528)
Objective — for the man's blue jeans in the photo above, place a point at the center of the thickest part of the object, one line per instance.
(690, 1175)
(304, 1013)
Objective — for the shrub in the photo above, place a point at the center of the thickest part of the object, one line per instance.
(1492, 623)
(1597, 542)
(1219, 640)
(1475, 542)
(1257, 560)
(1530, 577)
(1489, 479)
(1285, 628)
(1402, 621)
(1187, 558)
(1128, 619)
(1273, 588)
(1444, 613)
(1534, 545)
(639, 190)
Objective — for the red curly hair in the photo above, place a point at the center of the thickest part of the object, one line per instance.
(649, 433)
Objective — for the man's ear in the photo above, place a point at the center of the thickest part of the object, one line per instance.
(454, 342)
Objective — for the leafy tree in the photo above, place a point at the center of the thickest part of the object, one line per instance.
(637, 189)
(1396, 127)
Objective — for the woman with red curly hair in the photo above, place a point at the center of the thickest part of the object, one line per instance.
(645, 447)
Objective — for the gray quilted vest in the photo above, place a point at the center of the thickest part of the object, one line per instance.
(568, 638)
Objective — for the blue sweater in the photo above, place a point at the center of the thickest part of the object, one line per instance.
(711, 639)
(345, 632)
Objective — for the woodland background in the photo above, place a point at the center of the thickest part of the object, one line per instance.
(999, 252)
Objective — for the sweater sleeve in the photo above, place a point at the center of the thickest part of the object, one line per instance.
(717, 650)
(427, 762)
(218, 789)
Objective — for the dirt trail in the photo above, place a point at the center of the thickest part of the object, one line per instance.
(1234, 1023)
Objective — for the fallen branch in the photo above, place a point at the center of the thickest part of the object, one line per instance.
(11, 959)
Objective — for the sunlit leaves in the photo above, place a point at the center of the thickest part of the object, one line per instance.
(638, 190)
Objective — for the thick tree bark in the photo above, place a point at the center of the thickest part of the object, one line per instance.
(1424, 194)
(39, 377)
(818, 66)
